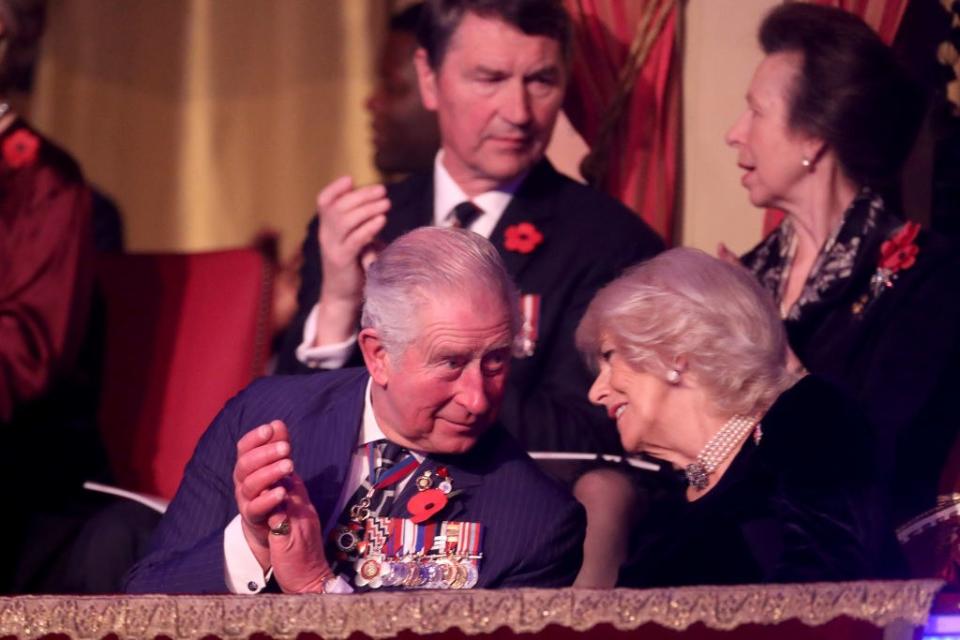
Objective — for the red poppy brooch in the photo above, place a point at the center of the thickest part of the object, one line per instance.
(20, 149)
(522, 237)
(897, 254)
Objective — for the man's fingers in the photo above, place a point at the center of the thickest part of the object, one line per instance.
(280, 432)
(259, 458)
(276, 518)
(340, 186)
(273, 430)
(339, 226)
(350, 200)
(256, 511)
(364, 235)
(254, 438)
(265, 478)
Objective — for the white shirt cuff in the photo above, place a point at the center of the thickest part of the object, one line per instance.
(328, 356)
(243, 572)
(338, 586)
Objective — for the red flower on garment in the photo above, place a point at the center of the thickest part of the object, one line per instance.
(20, 149)
(900, 251)
(522, 237)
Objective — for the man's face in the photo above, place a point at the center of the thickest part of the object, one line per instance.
(497, 94)
(405, 134)
(444, 391)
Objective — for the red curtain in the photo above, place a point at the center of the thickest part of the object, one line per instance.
(624, 100)
(884, 16)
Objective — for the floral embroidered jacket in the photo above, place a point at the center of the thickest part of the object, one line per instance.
(880, 316)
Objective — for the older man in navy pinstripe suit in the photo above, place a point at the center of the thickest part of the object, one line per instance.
(280, 467)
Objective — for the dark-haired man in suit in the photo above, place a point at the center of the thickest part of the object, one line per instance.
(495, 72)
(390, 476)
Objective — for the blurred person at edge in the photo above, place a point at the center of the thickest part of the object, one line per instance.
(61, 538)
(495, 72)
(405, 140)
(405, 134)
(782, 484)
(869, 300)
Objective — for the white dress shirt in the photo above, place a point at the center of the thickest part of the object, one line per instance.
(447, 194)
(243, 572)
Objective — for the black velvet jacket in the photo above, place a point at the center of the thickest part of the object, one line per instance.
(803, 504)
(892, 343)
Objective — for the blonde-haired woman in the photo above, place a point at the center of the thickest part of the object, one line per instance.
(780, 476)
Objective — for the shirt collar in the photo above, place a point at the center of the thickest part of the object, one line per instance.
(370, 430)
(447, 194)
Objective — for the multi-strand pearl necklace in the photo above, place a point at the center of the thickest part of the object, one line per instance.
(718, 449)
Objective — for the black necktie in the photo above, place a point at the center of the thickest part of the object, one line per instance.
(465, 213)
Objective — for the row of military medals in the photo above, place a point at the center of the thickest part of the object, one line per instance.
(412, 552)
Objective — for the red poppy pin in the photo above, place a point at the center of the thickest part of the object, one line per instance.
(20, 149)
(896, 254)
(900, 251)
(522, 237)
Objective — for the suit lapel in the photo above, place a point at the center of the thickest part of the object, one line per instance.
(335, 433)
(533, 203)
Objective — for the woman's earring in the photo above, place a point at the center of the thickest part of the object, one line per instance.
(807, 164)
(673, 377)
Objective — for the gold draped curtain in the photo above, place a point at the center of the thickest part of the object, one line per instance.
(208, 120)
(625, 101)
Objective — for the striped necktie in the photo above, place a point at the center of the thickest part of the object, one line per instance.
(389, 463)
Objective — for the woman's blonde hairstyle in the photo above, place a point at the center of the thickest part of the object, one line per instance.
(685, 306)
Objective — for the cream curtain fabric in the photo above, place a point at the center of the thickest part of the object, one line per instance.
(208, 120)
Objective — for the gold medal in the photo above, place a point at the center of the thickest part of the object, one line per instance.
(369, 569)
(461, 576)
(425, 480)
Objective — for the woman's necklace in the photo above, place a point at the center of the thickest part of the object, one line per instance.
(718, 449)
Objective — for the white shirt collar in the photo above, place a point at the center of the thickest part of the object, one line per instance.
(370, 430)
(447, 194)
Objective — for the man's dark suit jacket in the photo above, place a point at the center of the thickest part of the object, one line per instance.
(533, 531)
(588, 239)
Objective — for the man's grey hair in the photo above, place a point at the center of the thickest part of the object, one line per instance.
(431, 264)
(686, 304)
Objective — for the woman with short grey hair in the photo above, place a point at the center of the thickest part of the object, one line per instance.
(780, 479)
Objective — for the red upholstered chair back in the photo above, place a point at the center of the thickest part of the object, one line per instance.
(185, 332)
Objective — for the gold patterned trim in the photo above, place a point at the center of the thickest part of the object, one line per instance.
(948, 506)
(383, 615)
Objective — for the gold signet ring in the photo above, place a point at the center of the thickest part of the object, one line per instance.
(282, 529)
